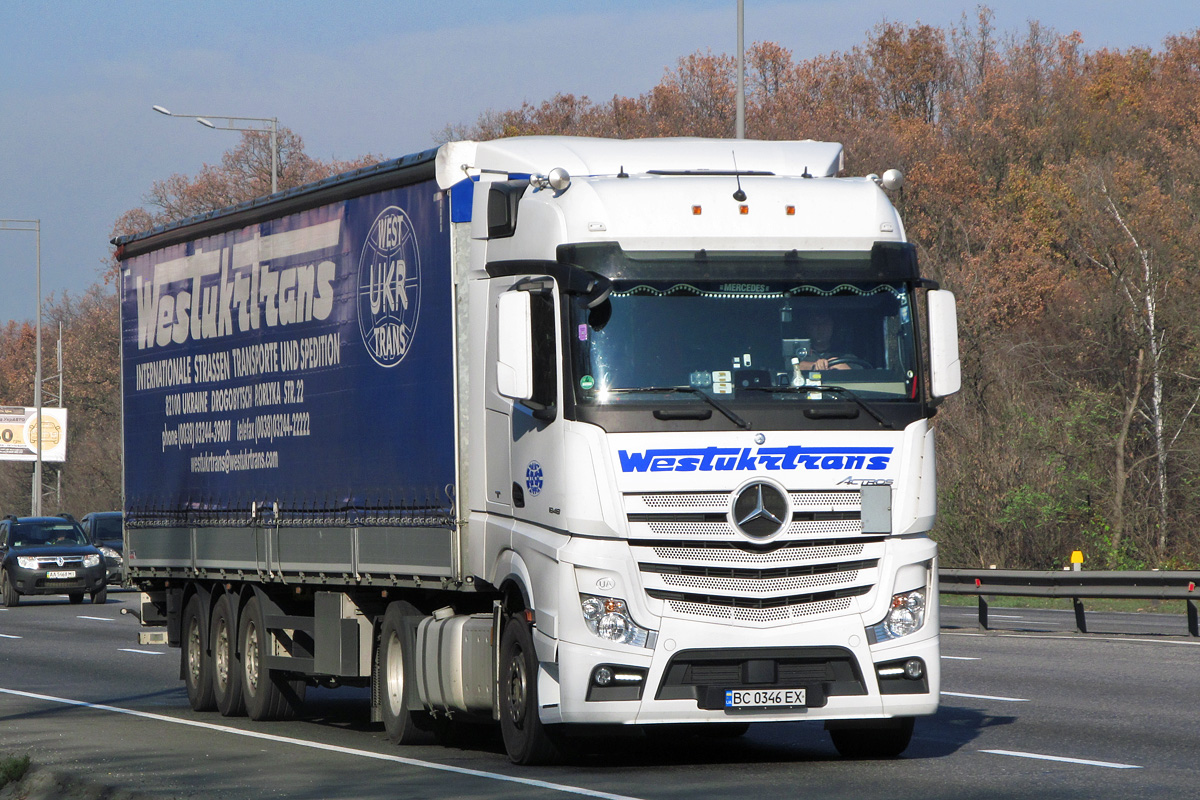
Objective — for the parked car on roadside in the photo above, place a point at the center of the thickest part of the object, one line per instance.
(49, 555)
(105, 531)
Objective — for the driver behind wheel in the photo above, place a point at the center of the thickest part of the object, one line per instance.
(824, 354)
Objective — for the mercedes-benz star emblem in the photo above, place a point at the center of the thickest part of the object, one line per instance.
(760, 511)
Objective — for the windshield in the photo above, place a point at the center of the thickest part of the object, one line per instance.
(40, 534)
(774, 340)
(106, 528)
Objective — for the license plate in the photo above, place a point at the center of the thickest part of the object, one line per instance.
(62, 574)
(765, 698)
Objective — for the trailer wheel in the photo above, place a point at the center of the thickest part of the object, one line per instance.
(8, 593)
(403, 725)
(268, 693)
(886, 739)
(227, 669)
(526, 739)
(197, 666)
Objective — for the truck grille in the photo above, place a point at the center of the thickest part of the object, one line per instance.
(694, 558)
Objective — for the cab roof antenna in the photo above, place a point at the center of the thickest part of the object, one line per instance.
(739, 195)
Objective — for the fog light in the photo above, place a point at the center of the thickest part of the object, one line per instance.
(914, 668)
(603, 677)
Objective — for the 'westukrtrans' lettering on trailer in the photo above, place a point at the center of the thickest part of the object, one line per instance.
(732, 459)
(210, 295)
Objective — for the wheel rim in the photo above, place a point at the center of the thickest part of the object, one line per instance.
(518, 688)
(251, 656)
(221, 656)
(194, 652)
(394, 675)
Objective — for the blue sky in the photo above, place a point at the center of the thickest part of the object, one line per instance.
(79, 143)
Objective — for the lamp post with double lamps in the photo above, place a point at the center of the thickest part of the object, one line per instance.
(241, 124)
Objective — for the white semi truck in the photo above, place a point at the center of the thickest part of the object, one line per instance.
(556, 432)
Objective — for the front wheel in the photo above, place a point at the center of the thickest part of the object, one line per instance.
(9, 595)
(883, 739)
(75, 597)
(100, 596)
(526, 739)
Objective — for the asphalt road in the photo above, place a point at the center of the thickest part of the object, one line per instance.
(1029, 709)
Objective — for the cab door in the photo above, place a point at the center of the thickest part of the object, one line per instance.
(528, 373)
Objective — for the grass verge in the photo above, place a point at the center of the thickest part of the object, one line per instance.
(1132, 606)
(12, 769)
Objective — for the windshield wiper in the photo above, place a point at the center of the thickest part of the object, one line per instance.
(822, 388)
(734, 418)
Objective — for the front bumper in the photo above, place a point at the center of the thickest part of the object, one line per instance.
(686, 677)
(40, 582)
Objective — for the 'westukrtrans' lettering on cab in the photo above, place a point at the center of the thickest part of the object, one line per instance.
(733, 459)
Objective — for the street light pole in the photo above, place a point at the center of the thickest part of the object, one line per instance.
(34, 225)
(234, 124)
(740, 131)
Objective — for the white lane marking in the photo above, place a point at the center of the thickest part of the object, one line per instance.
(1090, 637)
(145, 652)
(961, 658)
(270, 737)
(9, 636)
(1005, 616)
(1080, 637)
(987, 697)
(98, 619)
(1084, 761)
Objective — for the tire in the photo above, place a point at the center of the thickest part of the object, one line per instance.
(887, 739)
(75, 597)
(197, 664)
(226, 666)
(526, 739)
(397, 687)
(100, 596)
(268, 694)
(9, 596)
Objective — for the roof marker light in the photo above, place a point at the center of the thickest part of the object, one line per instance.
(696, 211)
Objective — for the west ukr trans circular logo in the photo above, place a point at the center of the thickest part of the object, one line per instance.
(389, 287)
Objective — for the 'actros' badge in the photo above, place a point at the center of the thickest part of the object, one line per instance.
(389, 287)
(761, 510)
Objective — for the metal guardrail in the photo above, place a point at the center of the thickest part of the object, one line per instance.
(1076, 585)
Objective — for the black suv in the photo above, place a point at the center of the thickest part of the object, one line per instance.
(49, 555)
(104, 530)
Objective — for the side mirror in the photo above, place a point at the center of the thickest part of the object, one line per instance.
(944, 367)
(514, 361)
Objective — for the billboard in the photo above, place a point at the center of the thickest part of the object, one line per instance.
(19, 436)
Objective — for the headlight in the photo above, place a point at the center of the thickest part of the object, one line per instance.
(906, 615)
(92, 560)
(108, 552)
(27, 562)
(608, 618)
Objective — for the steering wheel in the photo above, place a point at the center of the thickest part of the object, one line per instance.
(853, 361)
